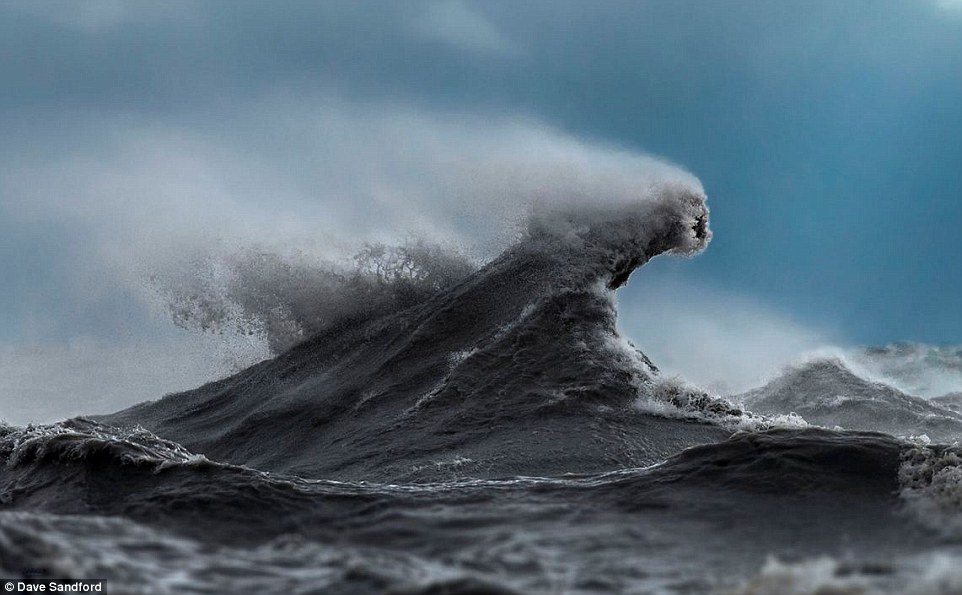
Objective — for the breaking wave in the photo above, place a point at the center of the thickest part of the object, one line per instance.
(464, 366)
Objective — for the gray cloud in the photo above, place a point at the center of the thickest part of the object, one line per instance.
(455, 23)
(951, 5)
(578, 59)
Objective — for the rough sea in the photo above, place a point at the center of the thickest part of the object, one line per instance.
(448, 429)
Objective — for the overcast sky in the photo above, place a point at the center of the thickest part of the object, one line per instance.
(137, 135)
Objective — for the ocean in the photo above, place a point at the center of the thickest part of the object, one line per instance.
(440, 428)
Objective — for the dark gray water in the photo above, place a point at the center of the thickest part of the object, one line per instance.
(497, 435)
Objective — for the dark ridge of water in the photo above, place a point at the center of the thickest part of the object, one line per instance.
(706, 517)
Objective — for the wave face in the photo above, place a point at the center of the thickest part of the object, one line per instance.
(489, 431)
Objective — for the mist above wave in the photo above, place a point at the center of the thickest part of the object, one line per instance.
(288, 298)
(924, 370)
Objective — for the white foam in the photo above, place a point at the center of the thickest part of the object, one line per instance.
(934, 572)
(77, 439)
(673, 397)
(931, 486)
(818, 576)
